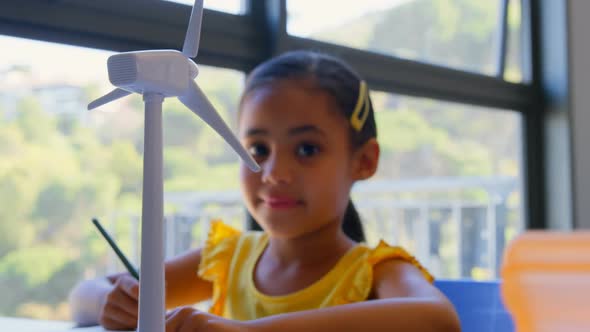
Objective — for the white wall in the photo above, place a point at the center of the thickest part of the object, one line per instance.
(578, 21)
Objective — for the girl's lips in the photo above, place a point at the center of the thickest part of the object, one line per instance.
(281, 202)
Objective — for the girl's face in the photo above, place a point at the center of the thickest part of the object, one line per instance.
(302, 144)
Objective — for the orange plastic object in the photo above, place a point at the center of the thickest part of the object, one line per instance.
(546, 281)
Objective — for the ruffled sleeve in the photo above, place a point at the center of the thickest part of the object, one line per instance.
(216, 258)
(352, 281)
(384, 252)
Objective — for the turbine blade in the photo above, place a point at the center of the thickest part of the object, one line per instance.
(113, 95)
(193, 32)
(197, 102)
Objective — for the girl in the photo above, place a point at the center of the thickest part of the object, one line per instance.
(308, 121)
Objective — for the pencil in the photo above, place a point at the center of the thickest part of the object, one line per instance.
(118, 251)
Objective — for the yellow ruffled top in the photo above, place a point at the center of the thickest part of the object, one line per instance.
(229, 257)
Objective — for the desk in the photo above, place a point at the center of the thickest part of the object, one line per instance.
(9, 324)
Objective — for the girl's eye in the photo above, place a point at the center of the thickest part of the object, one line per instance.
(307, 150)
(258, 150)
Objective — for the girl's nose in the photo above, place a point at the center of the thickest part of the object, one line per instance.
(276, 171)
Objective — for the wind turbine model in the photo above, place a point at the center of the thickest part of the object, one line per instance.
(158, 74)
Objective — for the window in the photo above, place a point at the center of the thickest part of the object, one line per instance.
(61, 165)
(228, 6)
(448, 187)
(461, 34)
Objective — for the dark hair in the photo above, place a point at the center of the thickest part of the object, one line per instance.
(336, 78)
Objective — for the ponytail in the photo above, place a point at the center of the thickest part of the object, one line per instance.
(351, 225)
(251, 223)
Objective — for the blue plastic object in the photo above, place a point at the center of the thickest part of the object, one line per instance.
(478, 304)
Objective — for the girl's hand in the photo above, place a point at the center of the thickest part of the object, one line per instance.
(187, 319)
(119, 308)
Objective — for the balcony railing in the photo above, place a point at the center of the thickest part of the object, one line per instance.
(457, 227)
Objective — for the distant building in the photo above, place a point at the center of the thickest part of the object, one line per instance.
(61, 98)
(54, 97)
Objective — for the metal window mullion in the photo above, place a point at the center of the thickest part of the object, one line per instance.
(533, 135)
(277, 23)
(502, 38)
(269, 18)
(526, 55)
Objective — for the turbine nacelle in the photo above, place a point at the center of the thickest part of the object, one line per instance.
(168, 72)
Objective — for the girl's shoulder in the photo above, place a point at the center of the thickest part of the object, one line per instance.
(397, 273)
(383, 252)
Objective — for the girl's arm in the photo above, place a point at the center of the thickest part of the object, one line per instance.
(405, 301)
(90, 298)
(183, 285)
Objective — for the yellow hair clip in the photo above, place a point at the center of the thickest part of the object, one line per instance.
(361, 110)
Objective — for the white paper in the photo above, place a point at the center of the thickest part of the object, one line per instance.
(11, 324)
(91, 329)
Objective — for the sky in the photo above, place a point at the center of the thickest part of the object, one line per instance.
(49, 62)
(230, 6)
(309, 16)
